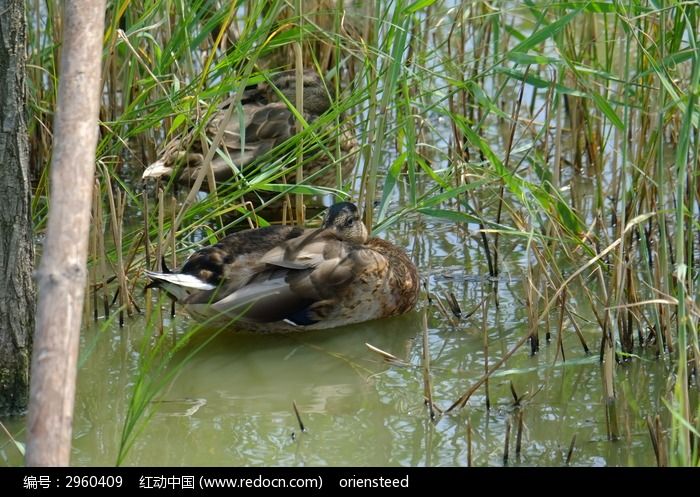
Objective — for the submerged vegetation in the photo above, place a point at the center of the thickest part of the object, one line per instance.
(564, 134)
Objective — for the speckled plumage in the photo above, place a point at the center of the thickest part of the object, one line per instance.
(258, 125)
(283, 279)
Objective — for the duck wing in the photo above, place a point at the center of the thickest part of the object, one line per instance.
(234, 259)
(265, 299)
(252, 130)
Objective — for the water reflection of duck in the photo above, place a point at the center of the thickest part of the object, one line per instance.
(319, 368)
(258, 125)
(284, 278)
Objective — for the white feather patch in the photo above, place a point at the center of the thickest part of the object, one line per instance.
(182, 280)
(156, 170)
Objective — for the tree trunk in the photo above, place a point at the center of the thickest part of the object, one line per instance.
(62, 273)
(17, 294)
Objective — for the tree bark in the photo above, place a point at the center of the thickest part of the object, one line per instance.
(62, 272)
(17, 295)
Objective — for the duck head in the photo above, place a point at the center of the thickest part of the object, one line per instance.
(344, 219)
(316, 97)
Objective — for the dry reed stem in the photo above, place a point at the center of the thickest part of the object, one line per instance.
(485, 338)
(299, 62)
(386, 356)
(160, 257)
(99, 227)
(173, 248)
(116, 207)
(570, 452)
(94, 248)
(443, 310)
(560, 328)
(469, 443)
(427, 386)
(519, 434)
(577, 329)
(302, 428)
(506, 443)
(462, 400)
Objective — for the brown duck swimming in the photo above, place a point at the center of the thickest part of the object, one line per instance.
(266, 122)
(282, 278)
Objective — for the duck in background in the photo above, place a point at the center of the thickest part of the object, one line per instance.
(286, 279)
(259, 124)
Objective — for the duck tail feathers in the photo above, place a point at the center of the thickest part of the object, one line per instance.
(178, 285)
(183, 280)
(157, 170)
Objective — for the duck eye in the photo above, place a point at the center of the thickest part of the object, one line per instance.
(350, 221)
